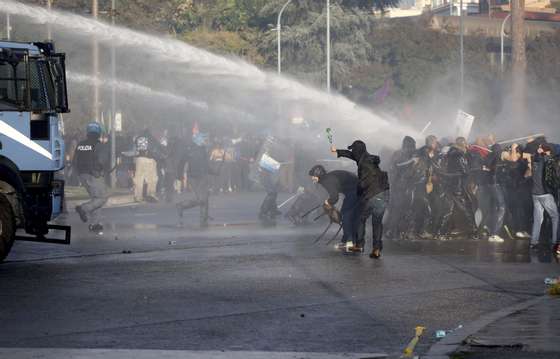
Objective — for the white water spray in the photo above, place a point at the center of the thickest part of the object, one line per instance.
(232, 79)
(136, 89)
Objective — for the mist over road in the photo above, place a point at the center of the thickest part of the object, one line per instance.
(241, 287)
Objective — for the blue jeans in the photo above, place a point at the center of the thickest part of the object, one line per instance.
(540, 204)
(348, 212)
(374, 207)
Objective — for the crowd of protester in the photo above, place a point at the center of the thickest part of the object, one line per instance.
(440, 190)
(486, 189)
(148, 163)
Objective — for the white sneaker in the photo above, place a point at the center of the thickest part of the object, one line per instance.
(522, 235)
(495, 239)
(340, 246)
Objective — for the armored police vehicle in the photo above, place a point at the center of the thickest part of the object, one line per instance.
(32, 97)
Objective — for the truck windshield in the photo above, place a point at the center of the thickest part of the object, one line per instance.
(42, 87)
(14, 81)
(13, 84)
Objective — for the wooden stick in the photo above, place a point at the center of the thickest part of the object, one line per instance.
(521, 138)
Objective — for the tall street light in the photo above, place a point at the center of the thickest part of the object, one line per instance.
(49, 30)
(278, 30)
(328, 46)
(95, 61)
(462, 70)
(113, 99)
(502, 34)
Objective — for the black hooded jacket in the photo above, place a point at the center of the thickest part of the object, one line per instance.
(493, 161)
(199, 162)
(336, 182)
(399, 162)
(457, 170)
(404, 154)
(371, 179)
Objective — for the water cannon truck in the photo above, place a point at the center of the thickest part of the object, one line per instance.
(33, 97)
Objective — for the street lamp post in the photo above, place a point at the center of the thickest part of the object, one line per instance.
(502, 34)
(113, 99)
(49, 30)
(462, 69)
(328, 46)
(278, 30)
(95, 61)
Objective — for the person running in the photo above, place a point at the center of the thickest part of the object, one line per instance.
(90, 161)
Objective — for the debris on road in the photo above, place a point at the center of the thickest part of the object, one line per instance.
(554, 289)
(443, 333)
(552, 285)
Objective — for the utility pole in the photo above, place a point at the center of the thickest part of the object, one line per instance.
(49, 29)
(518, 61)
(95, 61)
(328, 46)
(113, 99)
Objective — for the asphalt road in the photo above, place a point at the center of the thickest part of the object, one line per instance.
(148, 284)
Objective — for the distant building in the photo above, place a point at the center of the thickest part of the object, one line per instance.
(535, 9)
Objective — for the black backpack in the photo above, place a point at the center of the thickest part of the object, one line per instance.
(552, 176)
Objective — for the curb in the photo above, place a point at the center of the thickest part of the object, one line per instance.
(449, 344)
(56, 353)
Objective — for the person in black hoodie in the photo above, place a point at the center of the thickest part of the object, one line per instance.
(198, 176)
(424, 183)
(454, 197)
(496, 192)
(373, 195)
(400, 181)
(335, 183)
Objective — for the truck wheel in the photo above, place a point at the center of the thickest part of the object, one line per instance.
(7, 227)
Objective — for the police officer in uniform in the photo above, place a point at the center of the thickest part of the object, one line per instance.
(90, 159)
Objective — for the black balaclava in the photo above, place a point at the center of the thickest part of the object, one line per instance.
(408, 145)
(358, 149)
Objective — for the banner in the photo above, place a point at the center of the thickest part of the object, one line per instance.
(463, 124)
